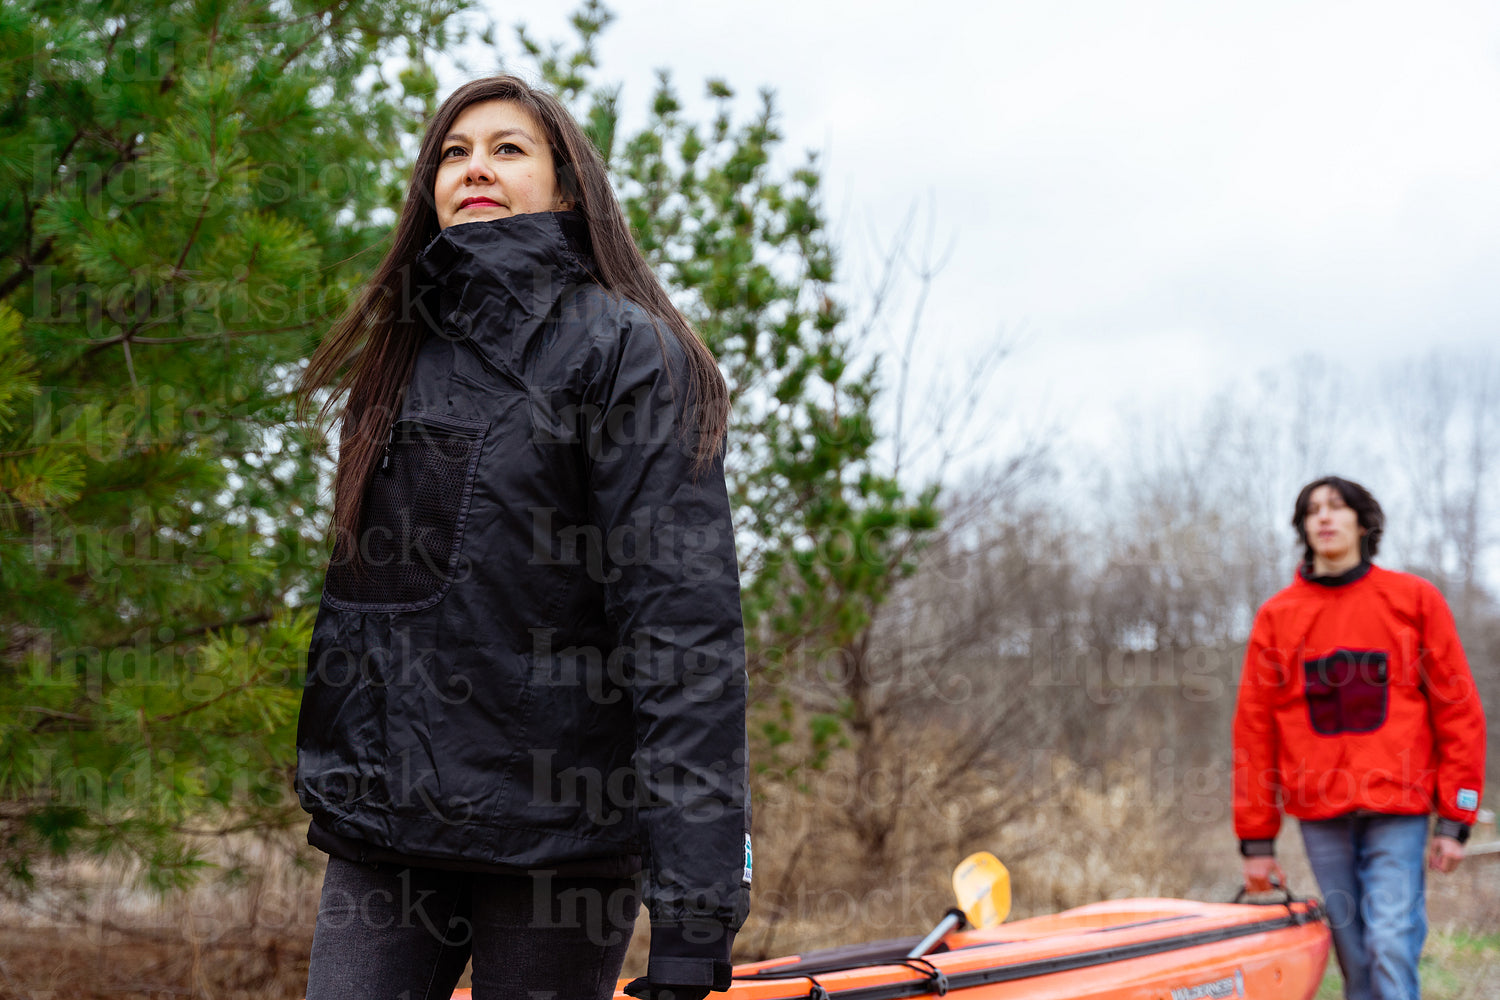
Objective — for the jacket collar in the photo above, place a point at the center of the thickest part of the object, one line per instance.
(505, 270)
(1358, 572)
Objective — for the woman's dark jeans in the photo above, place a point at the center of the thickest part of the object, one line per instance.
(391, 933)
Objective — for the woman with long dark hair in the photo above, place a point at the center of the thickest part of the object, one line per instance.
(525, 690)
(1357, 714)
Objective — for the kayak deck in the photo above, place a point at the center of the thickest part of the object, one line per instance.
(1135, 949)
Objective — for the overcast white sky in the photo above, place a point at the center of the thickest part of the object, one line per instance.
(1157, 197)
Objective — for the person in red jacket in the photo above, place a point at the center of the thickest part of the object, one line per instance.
(1358, 715)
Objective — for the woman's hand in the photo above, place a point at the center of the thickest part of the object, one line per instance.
(1444, 854)
(1262, 874)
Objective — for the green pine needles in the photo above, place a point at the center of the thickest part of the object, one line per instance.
(188, 194)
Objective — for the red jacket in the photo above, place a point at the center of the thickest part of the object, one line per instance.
(1356, 696)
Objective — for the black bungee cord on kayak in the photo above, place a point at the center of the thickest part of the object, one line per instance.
(817, 992)
(934, 976)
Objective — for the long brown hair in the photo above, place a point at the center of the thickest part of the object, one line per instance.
(369, 354)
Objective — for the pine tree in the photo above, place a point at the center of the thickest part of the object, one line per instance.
(188, 193)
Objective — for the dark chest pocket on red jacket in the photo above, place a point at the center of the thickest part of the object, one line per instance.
(412, 524)
(1347, 691)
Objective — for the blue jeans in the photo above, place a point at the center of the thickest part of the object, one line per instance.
(387, 932)
(1370, 871)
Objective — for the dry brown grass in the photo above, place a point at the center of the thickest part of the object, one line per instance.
(1069, 834)
(244, 932)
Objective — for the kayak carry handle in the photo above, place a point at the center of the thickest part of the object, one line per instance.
(1276, 886)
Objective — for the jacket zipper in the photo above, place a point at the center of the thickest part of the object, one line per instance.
(390, 437)
(467, 428)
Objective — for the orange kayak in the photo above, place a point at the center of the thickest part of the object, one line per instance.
(1130, 949)
(1133, 949)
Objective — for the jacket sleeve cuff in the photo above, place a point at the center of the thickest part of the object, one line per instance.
(1258, 848)
(693, 953)
(1452, 828)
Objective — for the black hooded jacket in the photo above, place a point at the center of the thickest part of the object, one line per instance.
(540, 663)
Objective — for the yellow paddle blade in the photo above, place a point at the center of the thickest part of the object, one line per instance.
(982, 886)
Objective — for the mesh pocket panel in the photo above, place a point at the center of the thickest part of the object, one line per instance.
(1347, 691)
(412, 520)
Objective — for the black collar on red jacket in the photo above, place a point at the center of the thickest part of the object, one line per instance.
(1348, 576)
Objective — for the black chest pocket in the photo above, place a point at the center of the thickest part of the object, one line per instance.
(412, 524)
(1347, 691)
